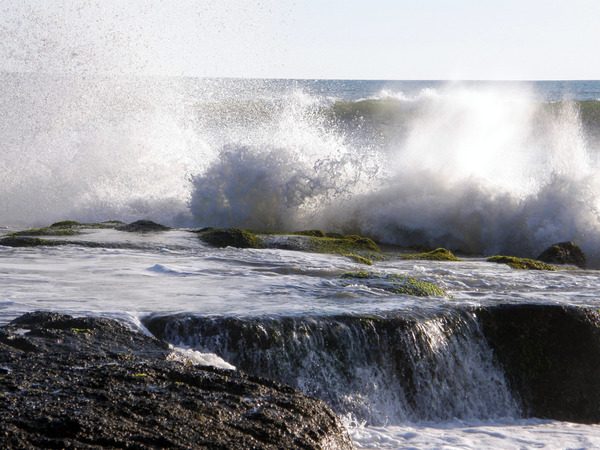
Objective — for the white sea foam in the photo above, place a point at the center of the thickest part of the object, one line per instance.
(191, 356)
(498, 434)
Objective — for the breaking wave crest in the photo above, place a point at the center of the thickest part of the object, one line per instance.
(480, 168)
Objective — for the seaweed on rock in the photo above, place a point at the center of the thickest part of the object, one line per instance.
(439, 254)
(521, 263)
(397, 284)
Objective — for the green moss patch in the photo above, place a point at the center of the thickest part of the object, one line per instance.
(397, 284)
(343, 245)
(230, 237)
(359, 259)
(358, 248)
(439, 254)
(521, 263)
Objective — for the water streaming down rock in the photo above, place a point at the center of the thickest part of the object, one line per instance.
(380, 369)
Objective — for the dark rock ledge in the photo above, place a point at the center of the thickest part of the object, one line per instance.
(88, 383)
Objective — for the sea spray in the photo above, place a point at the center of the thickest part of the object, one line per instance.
(94, 148)
(482, 168)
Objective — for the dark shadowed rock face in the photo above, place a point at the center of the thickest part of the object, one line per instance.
(563, 253)
(141, 226)
(82, 382)
(551, 356)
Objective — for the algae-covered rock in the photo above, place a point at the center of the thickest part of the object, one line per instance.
(358, 248)
(93, 383)
(65, 224)
(343, 245)
(563, 253)
(143, 226)
(397, 284)
(521, 263)
(73, 228)
(48, 231)
(439, 254)
(314, 233)
(230, 237)
(359, 259)
(23, 241)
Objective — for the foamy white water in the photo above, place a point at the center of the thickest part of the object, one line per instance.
(509, 435)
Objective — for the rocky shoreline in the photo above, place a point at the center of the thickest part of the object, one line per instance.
(90, 382)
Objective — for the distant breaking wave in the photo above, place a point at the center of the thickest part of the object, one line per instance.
(482, 169)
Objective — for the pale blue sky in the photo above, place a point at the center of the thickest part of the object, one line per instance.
(377, 39)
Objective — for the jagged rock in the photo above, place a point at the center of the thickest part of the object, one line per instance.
(86, 382)
(563, 253)
(141, 226)
(551, 356)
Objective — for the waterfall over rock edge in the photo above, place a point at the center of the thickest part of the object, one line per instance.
(469, 363)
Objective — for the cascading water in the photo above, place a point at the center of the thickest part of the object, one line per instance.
(381, 370)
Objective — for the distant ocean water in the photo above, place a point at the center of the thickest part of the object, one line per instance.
(478, 167)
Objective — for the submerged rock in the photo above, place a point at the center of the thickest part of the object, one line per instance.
(141, 226)
(563, 253)
(359, 248)
(229, 237)
(397, 284)
(521, 263)
(85, 382)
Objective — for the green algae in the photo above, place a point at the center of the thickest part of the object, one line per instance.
(521, 263)
(343, 245)
(80, 330)
(359, 259)
(359, 274)
(397, 284)
(439, 254)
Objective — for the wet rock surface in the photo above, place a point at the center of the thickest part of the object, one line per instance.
(551, 356)
(142, 226)
(87, 383)
(564, 253)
